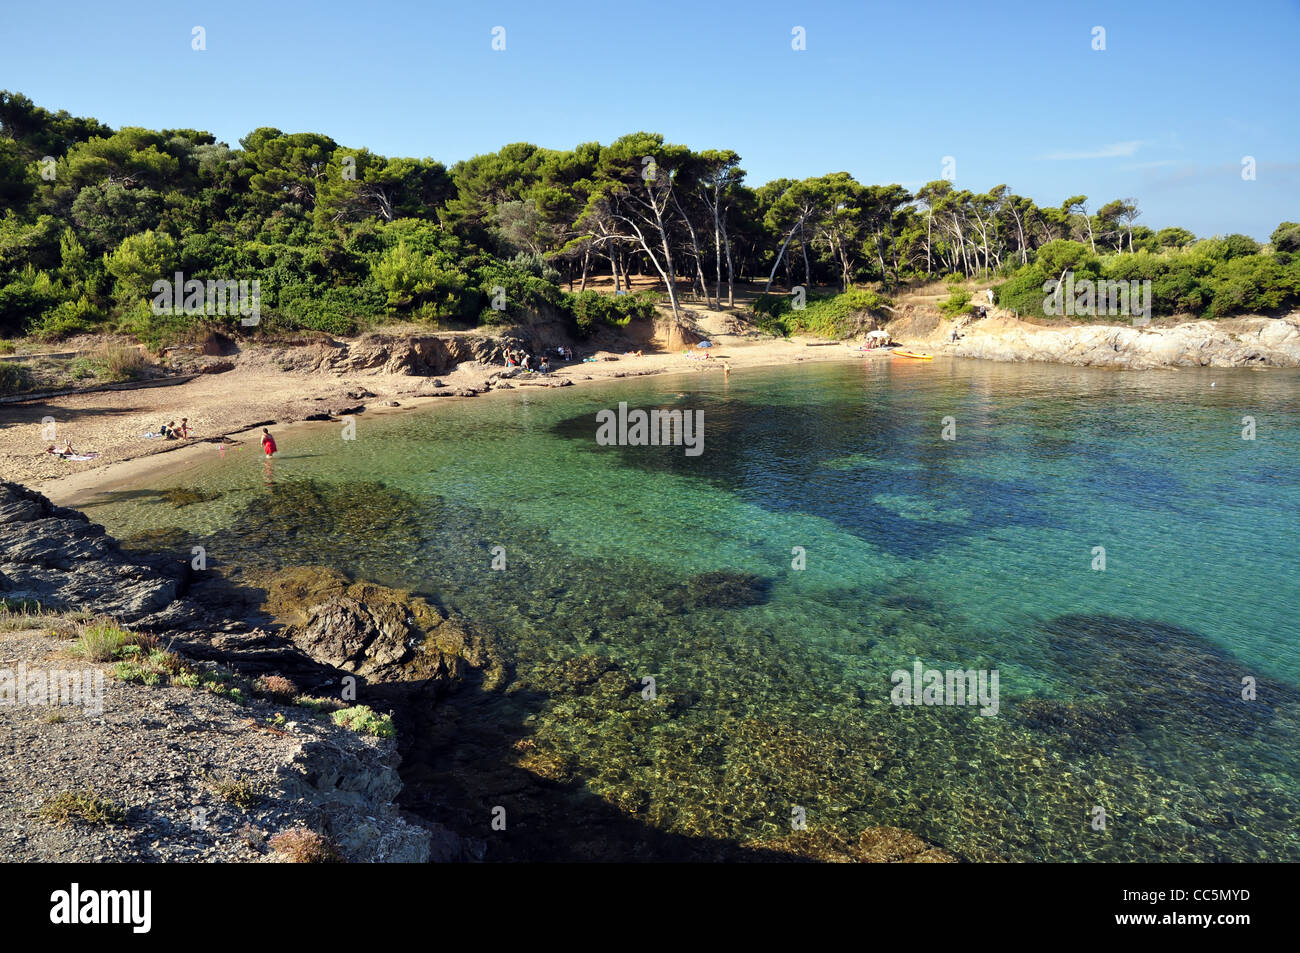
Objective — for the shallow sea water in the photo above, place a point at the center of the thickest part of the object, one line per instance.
(1119, 689)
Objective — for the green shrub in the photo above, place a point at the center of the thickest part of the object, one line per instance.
(590, 310)
(365, 720)
(1249, 284)
(67, 319)
(1024, 293)
(14, 377)
(958, 302)
(319, 705)
(830, 316)
(1286, 238)
(103, 641)
(158, 330)
(340, 311)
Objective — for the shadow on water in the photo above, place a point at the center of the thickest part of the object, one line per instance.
(1145, 674)
(469, 750)
(772, 456)
(474, 756)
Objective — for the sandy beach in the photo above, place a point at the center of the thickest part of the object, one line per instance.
(235, 405)
(278, 386)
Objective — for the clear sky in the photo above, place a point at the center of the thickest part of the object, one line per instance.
(1012, 91)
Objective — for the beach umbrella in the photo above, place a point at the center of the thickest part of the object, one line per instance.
(878, 333)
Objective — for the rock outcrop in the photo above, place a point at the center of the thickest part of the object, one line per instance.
(196, 776)
(57, 557)
(377, 633)
(1238, 342)
(403, 652)
(419, 355)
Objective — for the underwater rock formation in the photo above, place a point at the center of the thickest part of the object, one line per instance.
(381, 634)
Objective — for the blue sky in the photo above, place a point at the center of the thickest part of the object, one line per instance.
(1012, 91)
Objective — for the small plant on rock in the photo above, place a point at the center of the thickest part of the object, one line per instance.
(364, 720)
(85, 806)
(277, 687)
(299, 845)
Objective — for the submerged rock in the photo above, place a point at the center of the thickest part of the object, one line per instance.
(722, 589)
(1079, 726)
(875, 845)
(378, 633)
(179, 496)
(1147, 673)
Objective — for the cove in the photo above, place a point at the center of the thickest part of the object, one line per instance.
(1118, 689)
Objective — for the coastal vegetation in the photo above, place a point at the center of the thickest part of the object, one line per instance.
(366, 721)
(82, 806)
(339, 238)
(301, 845)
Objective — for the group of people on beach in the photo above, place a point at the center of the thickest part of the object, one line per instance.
(518, 357)
(172, 432)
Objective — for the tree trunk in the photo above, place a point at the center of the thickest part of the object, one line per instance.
(781, 254)
(731, 282)
(929, 221)
(807, 269)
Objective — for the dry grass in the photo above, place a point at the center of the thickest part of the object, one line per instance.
(122, 362)
(85, 806)
(277, 687)
(299, 845)
(241, 792)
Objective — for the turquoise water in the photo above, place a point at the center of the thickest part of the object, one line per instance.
(1119, 689)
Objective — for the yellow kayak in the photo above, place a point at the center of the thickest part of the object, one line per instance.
(914, 355)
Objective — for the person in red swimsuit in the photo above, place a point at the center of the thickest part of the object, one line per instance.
(268, 442)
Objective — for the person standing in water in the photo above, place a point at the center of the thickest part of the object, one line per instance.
(268, 442)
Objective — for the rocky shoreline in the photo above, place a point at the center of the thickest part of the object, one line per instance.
(150, 746)
(1235, 342)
